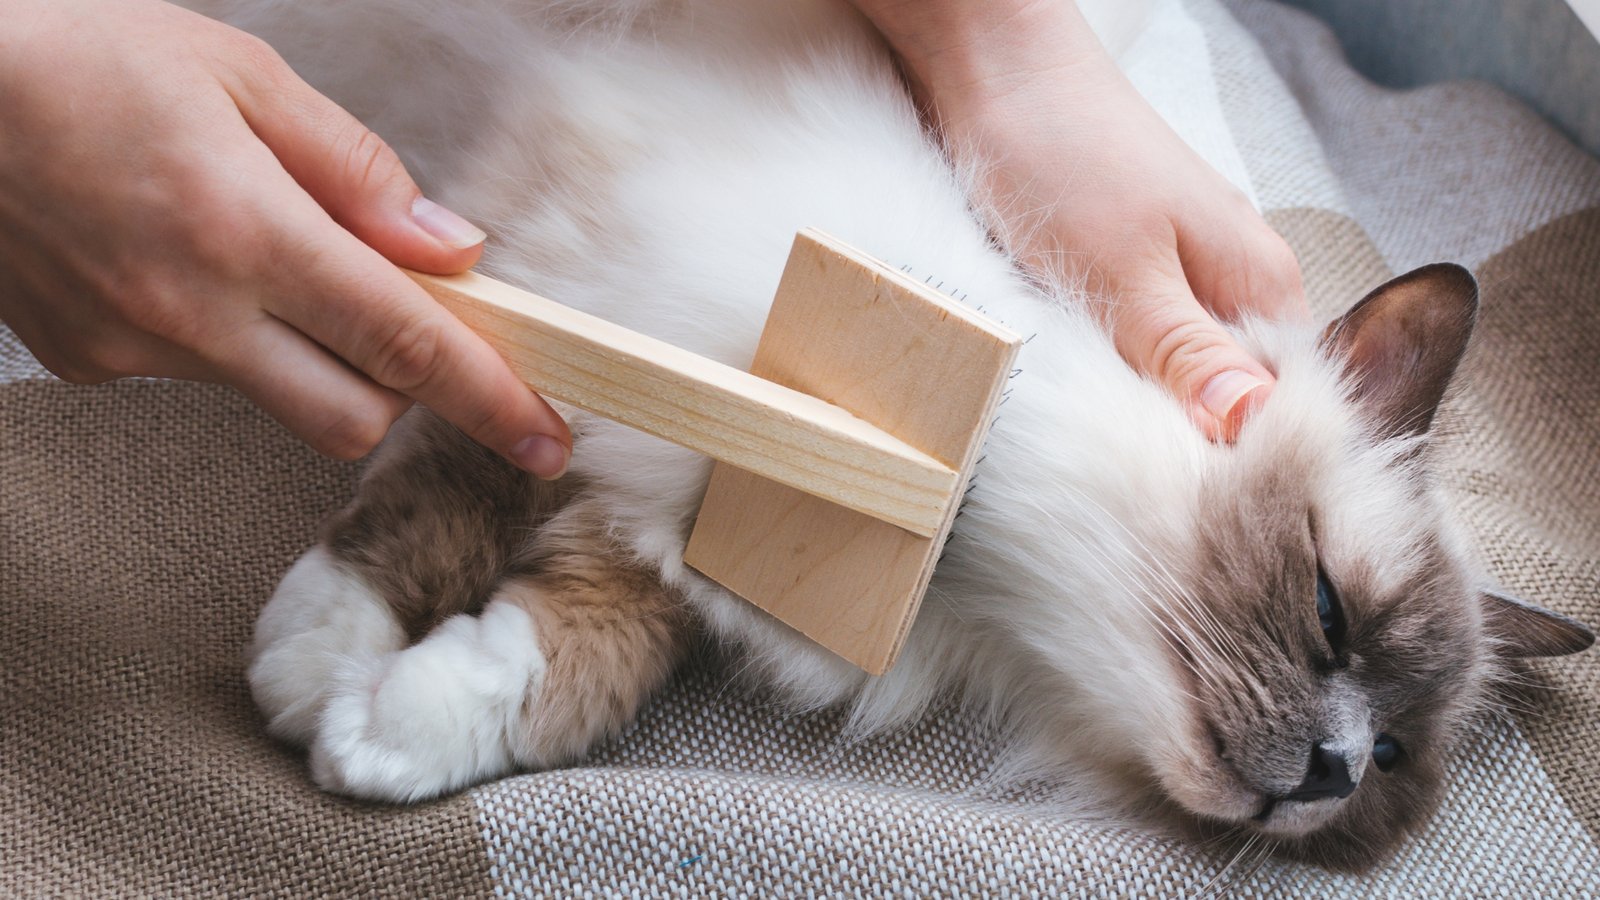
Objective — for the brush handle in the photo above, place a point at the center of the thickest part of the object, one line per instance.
(773, 431)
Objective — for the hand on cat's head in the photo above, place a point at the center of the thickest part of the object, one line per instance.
(1089, 183)
(188, 207)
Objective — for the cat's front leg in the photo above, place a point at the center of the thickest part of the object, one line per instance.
(562, 656)
(459, 621)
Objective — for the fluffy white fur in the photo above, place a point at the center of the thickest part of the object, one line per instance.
(651, 166)
(320, 621)
(435, 717)
(331, 670)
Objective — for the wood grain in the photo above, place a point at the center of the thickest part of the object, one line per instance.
(766, 428)
(850, 331)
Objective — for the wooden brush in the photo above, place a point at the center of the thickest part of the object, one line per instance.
(843, 454)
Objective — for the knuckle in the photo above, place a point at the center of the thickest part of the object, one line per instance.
(410, 356)
(1261, 276)
(1180, 351)
(369, 160)
(1240, 201)
(255, 55)
(1269, 263)
(484, 422)
(215, 223)
(283, 251)
(229, 247)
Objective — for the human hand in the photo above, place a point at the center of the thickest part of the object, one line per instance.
(174, 201)
(1090, 183)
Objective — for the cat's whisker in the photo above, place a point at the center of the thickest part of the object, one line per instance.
(1178, 591)
(1187, 645)
(1264, 850)
(1185, 650)
(1197, 654)
(1148, 559)
(1222, 838)
(1217, 885)
(1220, 641)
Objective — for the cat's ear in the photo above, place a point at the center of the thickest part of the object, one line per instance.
(1521, 629)
(1402, 342)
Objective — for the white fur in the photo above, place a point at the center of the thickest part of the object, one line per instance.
(319, 620)
(330, 669)
(653, 171)
(434, 717)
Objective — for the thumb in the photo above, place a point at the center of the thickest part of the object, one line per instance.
(351, 172)
(1168, 336)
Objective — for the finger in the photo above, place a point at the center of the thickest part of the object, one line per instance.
(365, 311)
(350, 171)
(1164, 333)
(1235, 272)
(335, 409)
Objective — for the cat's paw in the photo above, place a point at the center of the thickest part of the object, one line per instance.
(320, 620)
(435, 717)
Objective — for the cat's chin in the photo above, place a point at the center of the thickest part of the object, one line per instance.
(1285, 819)
(1206, 786)
(1222, 800)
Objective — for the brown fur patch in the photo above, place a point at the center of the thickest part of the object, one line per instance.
(611, 633)
(436, 520)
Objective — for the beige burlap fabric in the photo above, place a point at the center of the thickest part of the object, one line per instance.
(143, 524)
(140, 526)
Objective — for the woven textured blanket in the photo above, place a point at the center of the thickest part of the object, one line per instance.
(143, 524)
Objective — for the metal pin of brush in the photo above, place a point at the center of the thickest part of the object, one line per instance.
(842, 455)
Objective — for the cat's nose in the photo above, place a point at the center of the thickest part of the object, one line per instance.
(1327, 776)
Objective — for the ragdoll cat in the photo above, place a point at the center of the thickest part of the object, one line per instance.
(1285, 637)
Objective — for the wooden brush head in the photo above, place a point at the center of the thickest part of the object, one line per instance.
(850, 330)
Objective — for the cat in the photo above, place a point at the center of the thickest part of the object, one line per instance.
(1285, 637)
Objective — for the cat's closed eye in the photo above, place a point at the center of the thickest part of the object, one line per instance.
(1330, 616)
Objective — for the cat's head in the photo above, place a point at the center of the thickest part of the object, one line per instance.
(1335, 638)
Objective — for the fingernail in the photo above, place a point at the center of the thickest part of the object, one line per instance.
(445, 225)
(1222, 393)
(542, 455)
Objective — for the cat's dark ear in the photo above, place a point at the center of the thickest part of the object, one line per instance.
(1521, 629)
(1402, 342)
